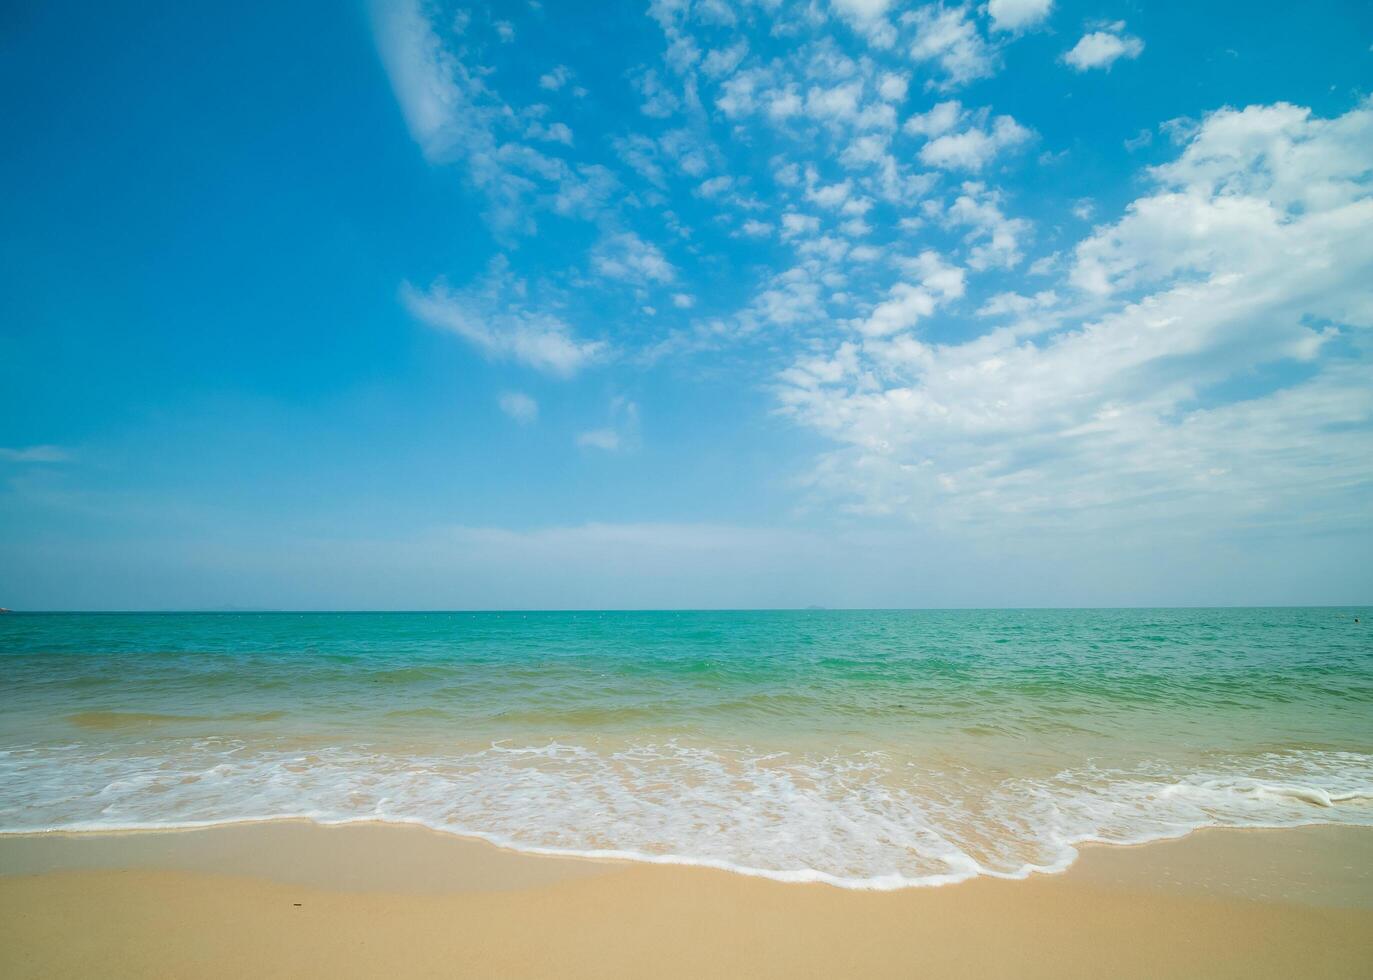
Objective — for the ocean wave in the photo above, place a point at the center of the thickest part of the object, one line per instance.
(857, 820)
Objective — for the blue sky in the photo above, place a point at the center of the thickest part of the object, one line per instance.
(707, 303)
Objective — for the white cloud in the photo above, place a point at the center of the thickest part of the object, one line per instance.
(627, 257)
(866, 151)
(908, 303)
(1135, 408)
(939, 119)
(715, 186)
(892, 86)
(1101, 49)
(456, 119)
(686, 150)
(933, 272)
(865, 9)
(739, 93)
(722, 61)
(683, 301)
(949, 37)
(659, 101)
(1016, 305)
(787, 299)
(904, 306)
(492, 317)
(555, 79)
(505, 31)
(640, 153)
(996, 240)
(782, 104)
(520, 407)
(975, 147)
(428, 82)
(1018, 15)
(35, 454)
(756, 229)
(786, 174)
(839, 102)
(795, 223)
(830, 195)
(552, 133)
(621, 434)
(717, 13)
(868, 17)
(606, 439)
(586, 191)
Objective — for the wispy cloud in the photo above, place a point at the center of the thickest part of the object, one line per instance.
(622, 434)
(35, 454)
(492, 316)
(458, 119)
(520, 407)
(627, 257)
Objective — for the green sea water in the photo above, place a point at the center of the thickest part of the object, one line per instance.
(864, 748)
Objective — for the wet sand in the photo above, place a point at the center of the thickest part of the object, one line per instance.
(292, 899)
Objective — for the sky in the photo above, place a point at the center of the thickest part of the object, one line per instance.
(687, 303)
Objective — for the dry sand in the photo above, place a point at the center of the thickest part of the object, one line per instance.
(297, 900)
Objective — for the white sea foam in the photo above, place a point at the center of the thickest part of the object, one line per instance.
(862, 820)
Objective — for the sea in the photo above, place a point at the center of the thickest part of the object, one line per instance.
(866, 749)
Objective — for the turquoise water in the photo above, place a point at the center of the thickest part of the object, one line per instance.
(869, 749)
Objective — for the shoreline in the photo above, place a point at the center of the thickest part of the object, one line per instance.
(292, 898)
(801, 876)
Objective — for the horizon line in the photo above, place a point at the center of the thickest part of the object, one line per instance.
(249, 610)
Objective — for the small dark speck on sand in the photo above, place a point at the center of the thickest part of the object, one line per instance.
(296, 904)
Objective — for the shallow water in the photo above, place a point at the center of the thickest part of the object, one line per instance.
(872, 749)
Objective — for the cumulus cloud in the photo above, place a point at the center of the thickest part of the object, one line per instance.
(907, 303)
(1137, 404)
(794, 223)
(493, 317)
(829, 196)
(996, 240)
(869, 18)
(1018, 15)
(937, 120)
(971, 148)
(1101, 49)
(835, 103)
(892, 86)
(948, 37)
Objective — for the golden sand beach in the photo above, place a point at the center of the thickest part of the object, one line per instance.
(292, 899)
